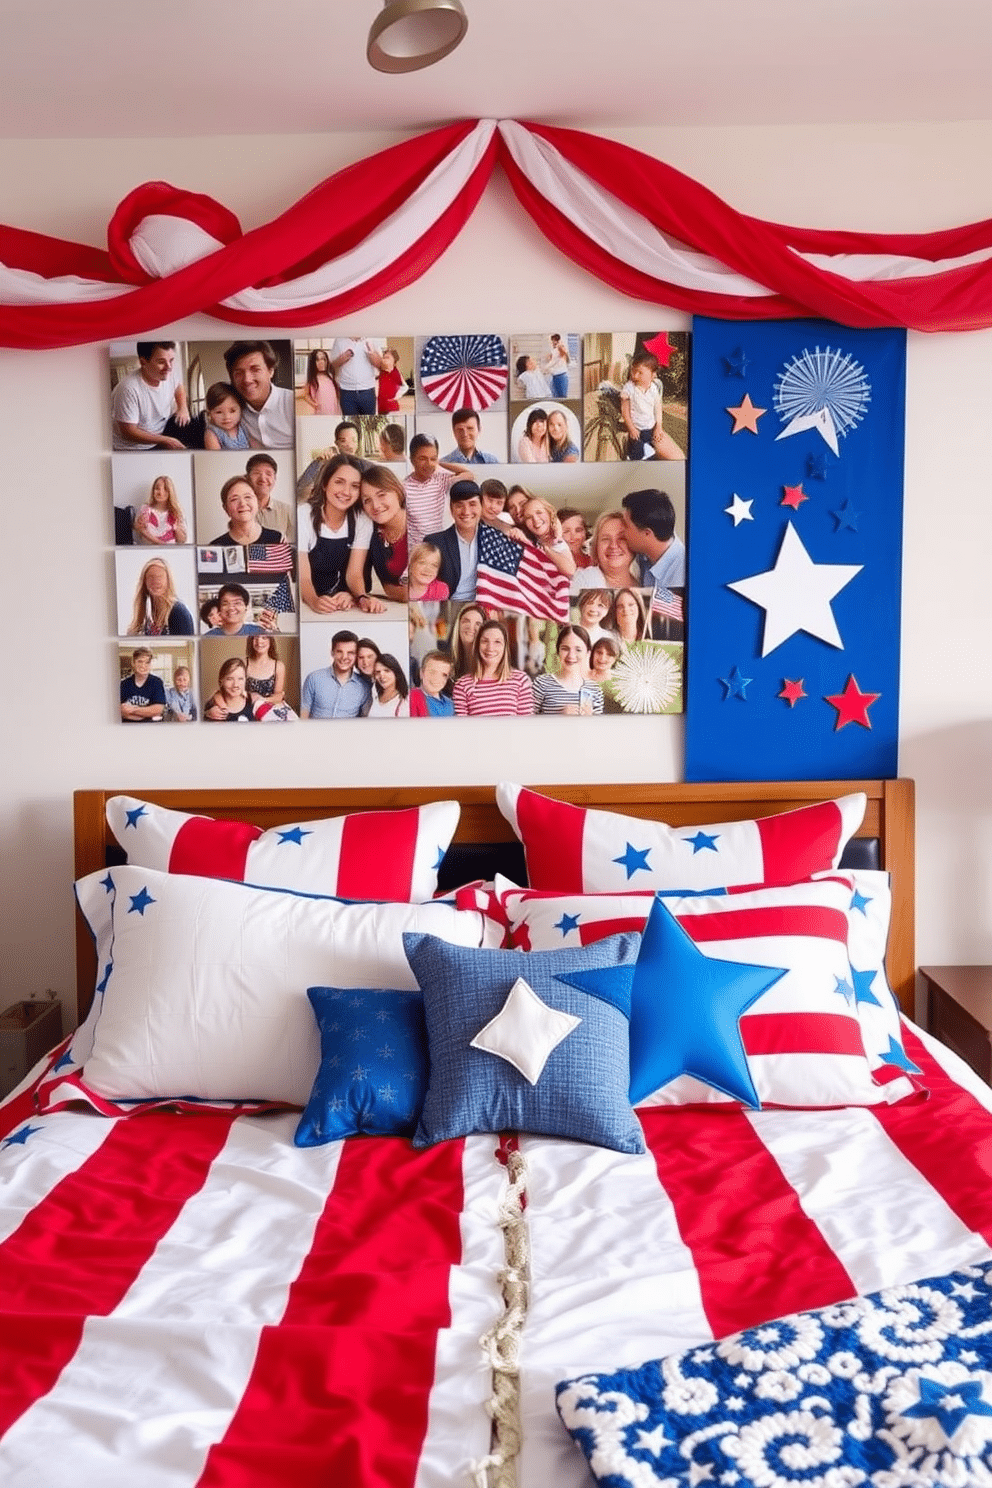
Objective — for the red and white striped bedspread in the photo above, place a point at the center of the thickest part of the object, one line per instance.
(191, 1300)
(732, 1219)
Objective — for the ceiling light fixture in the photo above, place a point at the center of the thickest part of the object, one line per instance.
(408, 34)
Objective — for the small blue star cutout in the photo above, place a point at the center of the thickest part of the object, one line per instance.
(862, 987)
(18, 1138)
(735, 684)
(140, 902)
(439, 859)
(634, 859)
(686, 1010)
(846, 518)
(132, 817)
(703, 840)
(735, 362)
(108, 883)
(567, 923)
(843, 986)
(66, 1059)
(948, 1404)
(294, 834)
(896, 1055)
(860, 901)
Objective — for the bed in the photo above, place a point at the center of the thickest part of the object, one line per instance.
(192, 1298)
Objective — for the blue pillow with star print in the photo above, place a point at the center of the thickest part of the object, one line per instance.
(532, 1041)
(373, 1065)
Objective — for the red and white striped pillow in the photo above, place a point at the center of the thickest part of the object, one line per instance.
(803, 1038)
(571, 849)
(385, 855)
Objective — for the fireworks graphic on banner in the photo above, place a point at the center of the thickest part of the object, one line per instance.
(824, 390)
(464, 371)
(646, 679)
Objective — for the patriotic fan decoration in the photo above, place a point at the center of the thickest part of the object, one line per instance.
(464, 371)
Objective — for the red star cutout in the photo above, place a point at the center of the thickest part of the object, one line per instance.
(661, 347)
(745, 415)
(792, 691)
(852, 704)
(794, 496)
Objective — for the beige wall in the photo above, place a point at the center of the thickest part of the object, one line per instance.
(58, 721)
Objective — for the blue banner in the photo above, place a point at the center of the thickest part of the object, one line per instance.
(794, 551)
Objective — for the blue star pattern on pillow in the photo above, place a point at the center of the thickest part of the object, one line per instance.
(476, 1082)
(373, 1065)
(894, 1387)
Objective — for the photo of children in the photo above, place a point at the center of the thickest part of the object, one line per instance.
(636, 395)
(153, 501)
(353, 376)
(545, 365)
(147, 675)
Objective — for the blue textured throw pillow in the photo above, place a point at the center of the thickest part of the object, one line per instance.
(373, 1065)
(532, 1041)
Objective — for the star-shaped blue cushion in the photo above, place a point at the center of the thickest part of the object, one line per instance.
(294, 834)
(373, 1065)
(685, 1012)
(581, 1092)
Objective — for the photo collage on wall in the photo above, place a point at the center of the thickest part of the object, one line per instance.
(386, 527)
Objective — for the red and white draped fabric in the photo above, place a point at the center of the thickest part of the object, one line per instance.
(371, 229)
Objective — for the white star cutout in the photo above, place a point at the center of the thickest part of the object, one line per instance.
(525, 1031)
(739, 510)
(795, 595)
(968, 1356)
(654, 1441)
(966, 1289)
(699, 1472)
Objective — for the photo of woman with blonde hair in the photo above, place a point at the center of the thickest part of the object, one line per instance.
(158, 610)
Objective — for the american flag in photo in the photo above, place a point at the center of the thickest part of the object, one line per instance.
(281, 599)
(519, 576)
(667, 603)
(270, 558)
(463, 371)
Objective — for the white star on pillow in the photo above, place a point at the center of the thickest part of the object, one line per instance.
(526, 1031)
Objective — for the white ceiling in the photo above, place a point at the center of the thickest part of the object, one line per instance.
(182, 67)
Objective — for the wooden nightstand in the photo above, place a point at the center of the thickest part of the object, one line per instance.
(959, 1012)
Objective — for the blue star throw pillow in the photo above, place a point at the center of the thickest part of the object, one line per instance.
(528, 1041)
(373, 1065)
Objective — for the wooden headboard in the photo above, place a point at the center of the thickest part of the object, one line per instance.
(889, 818)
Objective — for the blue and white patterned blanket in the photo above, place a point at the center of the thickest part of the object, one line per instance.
(893, 1389)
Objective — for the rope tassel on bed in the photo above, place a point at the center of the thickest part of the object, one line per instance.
(501, 1344)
